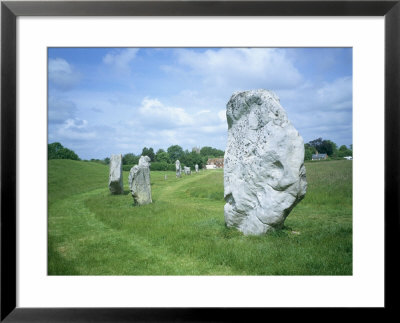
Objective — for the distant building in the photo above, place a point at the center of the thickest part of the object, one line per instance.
(215, 163)
(196, 149)
(319, 156)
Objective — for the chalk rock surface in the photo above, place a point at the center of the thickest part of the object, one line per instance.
(139, 182)
(264, 173)
(115, 180)
(178, 168)
(144, 161)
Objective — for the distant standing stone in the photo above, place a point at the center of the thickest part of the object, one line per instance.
(139, 182)
(115, 180)
(187, 170)
(264, 173)
(196, 167)
(178, 168)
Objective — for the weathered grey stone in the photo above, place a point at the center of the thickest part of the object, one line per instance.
(196, 167)
(115, 180)
(178, 168)
(139, 182)
(187, 170)
(264, 173)
(144, 161)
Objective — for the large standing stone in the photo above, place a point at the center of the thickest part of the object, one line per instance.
(264, 173)
(187, 170)
(139, 181)
(178, 168)
(196, 168)
(115, 180)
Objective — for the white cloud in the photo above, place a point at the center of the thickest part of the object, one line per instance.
(185, 97)
(153, 111)
(203, 111)
(222, 115)
(159, 125)
(213, 129)
(328, 97)
(338, 94)
(61, 74)
(120, 59)
(59, 65)
(75, 124)
(321, 109)
(241, 68)
(75, 129)
(60, 110)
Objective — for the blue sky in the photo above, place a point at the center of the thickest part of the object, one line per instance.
(104, 101)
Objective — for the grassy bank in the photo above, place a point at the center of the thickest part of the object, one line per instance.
(91, 232)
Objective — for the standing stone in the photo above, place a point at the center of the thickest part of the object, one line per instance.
(196, 167)
(115, 181)
(264, 173)
(178, 168)
(187, 170)
(139, 182)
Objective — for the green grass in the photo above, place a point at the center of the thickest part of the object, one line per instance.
(91, 232)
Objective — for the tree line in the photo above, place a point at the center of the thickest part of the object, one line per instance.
(57, 151)
(328, 147)
(161, 159)
(165, 160)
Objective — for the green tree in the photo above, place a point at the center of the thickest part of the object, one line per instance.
(53, 149)
(344, 151)
(328, 147)
(192, 158)
(308, 151)
(316, 144)
(324, 146)
(175, 152)
(148, 152)
(130, 159)
(56, 151)
(211, 152)
(162, 156)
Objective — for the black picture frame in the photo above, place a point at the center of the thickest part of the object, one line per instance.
(10, 10)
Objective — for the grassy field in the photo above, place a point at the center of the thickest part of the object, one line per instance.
(91, 232)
